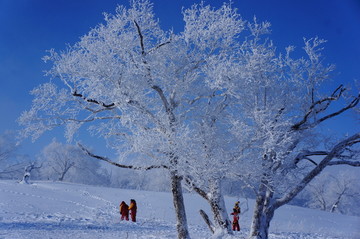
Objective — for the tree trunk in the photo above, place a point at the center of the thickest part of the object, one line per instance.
(266, 205)
(221, 219)
(261, 222)
(27, 173)
(181, 225)
(218, 207)
(263, 214)
(61, 177)
(67, 167)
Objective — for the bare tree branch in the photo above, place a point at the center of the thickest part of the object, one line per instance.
(141, 38)
(154, 87)
(335, 95)
(109, 106)
(160, 45)
(312, 161)
(334, 153)
(352, 104)
(328, 100)
(90, 119)
(307, 154)
(143, 109)
(96, 111)
(207, 220)
(345, 162)
(86, 151)
(201, 192)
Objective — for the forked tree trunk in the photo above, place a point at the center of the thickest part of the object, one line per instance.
(261, 222)
(266, 205)
(178, 199)
(217, 206)
(263, 213)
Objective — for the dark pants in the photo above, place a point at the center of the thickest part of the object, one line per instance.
(236, 226)
(133, 216)
(125, 216)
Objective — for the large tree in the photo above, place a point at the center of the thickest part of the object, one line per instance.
(134, 83)
(282, 103)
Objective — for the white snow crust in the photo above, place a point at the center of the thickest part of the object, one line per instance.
(64, 210)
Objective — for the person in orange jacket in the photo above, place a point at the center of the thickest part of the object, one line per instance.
(133, 209)
(124, 211)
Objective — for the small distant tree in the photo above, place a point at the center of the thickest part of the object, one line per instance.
(58, 160)
(11, 164)
(64, 162)
(334, 194)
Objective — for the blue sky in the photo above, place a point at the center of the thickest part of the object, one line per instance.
(30, 27)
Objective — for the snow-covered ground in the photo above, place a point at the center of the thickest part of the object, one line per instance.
(65, 210)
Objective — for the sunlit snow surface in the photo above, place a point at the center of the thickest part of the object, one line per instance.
(64, 210)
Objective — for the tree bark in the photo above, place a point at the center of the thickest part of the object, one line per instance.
(217, 204)
(178, 199)
(261, 223)
(263, 211)
(263, 214)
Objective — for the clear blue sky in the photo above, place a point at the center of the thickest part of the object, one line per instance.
(30, 27)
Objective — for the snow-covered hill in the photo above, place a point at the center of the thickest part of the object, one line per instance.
(64, 210)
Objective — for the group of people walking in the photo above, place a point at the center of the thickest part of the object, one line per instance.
(126, 209)
(131, 209)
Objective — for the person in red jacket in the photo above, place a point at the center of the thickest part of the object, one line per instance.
(235, 224)
(133, 209)
(124, 211)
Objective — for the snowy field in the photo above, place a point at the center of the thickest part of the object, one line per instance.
(65, 210)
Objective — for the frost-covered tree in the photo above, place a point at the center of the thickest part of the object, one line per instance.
(11, 164)
(335, 194)
(208, 159)
(275, 105)
(58, 160)
(281, 103)
(133, 84)
(65, 162)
